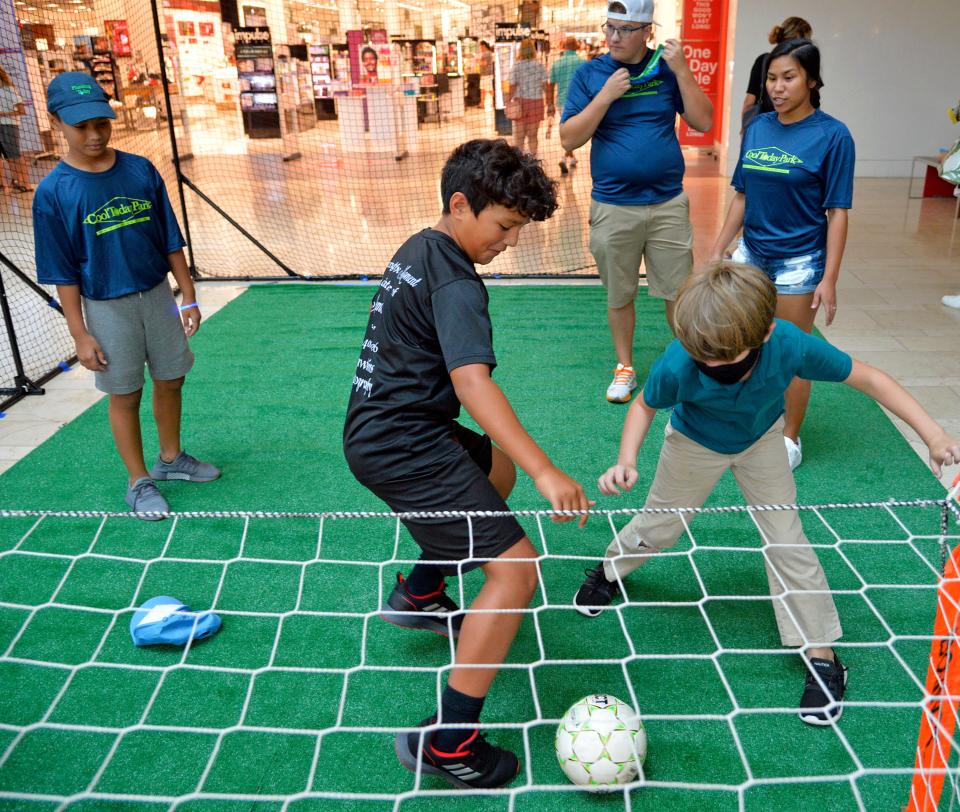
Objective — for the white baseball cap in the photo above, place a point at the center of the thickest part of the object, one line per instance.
(637, 11)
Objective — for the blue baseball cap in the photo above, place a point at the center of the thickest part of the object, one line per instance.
(166, 621)
(75, 97)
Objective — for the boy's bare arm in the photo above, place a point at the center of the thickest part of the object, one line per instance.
(487, 404)
(944, 449)
(635, 427)
(89, 352)
(189, 309)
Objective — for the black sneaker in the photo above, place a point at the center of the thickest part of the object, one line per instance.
(475, 764)
(595, 593)
(435, 612)
(819, 707)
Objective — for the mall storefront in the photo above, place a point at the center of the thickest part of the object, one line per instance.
(383, 68)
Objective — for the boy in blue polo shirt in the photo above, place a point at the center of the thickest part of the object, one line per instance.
(106, 236)
(725, 376)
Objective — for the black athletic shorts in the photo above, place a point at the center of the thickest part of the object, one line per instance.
(459, 483)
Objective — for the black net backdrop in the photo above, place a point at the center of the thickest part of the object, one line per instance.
(332, 157)
(308, 160)
(37, 42)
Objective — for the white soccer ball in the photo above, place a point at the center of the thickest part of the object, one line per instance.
(601, 742)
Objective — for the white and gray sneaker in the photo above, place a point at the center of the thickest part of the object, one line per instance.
(143, 497)
(622, 386)
(186, 468)
(794, 452)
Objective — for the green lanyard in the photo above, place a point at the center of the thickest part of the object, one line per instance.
(652, 67)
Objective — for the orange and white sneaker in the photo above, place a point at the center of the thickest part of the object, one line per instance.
(622, 386)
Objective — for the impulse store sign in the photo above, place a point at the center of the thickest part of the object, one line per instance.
(704, 33)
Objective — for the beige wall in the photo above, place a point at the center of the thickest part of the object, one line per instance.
(891, 71)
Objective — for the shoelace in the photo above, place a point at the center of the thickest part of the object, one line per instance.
(142, 489)
(480, 749)
(622, 375)
(832, 681)
(439, 596)
(594, 575)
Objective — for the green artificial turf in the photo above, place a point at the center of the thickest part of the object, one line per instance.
(288, 698)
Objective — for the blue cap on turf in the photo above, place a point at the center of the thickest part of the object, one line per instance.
(167, 621)
(75, 97)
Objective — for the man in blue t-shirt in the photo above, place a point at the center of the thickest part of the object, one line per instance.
(627, 102)
(724, 377)
(106, 236)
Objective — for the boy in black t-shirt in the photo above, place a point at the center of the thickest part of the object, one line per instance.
(427, 350)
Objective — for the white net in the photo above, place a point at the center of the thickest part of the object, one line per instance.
(296, 700)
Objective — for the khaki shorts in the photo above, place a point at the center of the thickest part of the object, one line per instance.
(660, 235)
(136, 330)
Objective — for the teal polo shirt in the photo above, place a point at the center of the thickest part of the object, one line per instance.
(561, 74)
(729, 418)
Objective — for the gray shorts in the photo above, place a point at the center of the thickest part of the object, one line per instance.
(141, 328)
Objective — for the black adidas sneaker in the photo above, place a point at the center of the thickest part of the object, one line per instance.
(475, 764)
(434, 612)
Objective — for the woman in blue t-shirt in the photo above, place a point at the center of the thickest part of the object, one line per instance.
(794, 184)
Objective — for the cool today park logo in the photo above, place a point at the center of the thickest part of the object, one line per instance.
(118, 212)
(770, 159)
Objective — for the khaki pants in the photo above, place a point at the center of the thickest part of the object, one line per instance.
(686, 475)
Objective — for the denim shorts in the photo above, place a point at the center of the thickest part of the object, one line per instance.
(793, 276)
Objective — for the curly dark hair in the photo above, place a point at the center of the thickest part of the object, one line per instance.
(490, 172)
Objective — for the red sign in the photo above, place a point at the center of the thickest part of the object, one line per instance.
(704, 61)
(703, 19)
(119, 35)
(690, 137)
(704, 32)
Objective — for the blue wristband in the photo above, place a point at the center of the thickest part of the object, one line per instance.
(193, 306)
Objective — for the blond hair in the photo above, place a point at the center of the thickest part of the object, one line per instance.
(790, 28)
(724, 310)
(527, 49)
